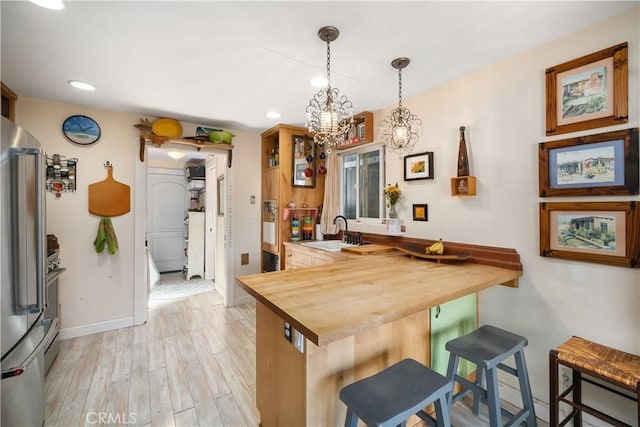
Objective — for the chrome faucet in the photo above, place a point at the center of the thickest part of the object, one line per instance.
(346, 226)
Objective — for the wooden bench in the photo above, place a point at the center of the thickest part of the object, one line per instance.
(596, 361)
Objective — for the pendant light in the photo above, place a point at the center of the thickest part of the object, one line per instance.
(400, 130)
(329, 114)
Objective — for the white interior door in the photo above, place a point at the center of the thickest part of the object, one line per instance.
(166, 205)
(211, 223)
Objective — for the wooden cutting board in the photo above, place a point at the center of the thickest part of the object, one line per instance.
(370, 249)
(109, 197)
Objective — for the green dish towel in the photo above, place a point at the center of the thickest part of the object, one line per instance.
(107, 235)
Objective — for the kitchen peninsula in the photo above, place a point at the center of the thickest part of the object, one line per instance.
(348, 320)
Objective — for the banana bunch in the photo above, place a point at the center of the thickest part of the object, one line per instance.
(436, 249)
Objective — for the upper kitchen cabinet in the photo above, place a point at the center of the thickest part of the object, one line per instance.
(289, 174)
(9, 99)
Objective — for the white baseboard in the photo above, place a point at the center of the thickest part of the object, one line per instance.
(79, 331)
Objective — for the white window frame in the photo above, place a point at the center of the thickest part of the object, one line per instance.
(361, 150)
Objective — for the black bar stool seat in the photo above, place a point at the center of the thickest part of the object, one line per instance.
(392, 395)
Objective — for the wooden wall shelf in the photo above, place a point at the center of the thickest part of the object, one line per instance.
(463, 186)
(159, 141)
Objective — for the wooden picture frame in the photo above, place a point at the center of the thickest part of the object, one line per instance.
(588, 92)
(418, 166)
(421, 212)
(595, 165)
(598, 232)
(303, 166)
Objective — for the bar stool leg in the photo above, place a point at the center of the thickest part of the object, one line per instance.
(452, 370)
(577, 396)
(477, 397)
(638, 401)
(525, 388)
(442, 412)
(495, 414)
(554, 401)
(351, 419)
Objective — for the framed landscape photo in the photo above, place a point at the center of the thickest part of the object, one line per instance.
(418, 166)
(421, 212)
(599, 232)
(595, 165)
(588, 92)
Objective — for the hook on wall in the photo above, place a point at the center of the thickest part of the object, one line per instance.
(107, 164)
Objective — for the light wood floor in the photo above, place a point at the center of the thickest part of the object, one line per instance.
(192, 363)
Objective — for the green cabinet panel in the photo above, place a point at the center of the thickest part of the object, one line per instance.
(449, 321)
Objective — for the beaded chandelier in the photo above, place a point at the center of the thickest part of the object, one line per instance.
(400, 130)
(329, 114)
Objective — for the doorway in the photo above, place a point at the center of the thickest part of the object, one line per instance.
(167, 198)
(223, 266)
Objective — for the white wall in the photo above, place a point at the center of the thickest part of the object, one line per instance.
(97, 290)
(503, 107)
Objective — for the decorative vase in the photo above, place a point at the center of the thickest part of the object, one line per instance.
(392, 211)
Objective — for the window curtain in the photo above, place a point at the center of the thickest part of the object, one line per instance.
(331, 203)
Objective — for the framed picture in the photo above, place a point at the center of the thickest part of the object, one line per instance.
(595, 165)
(418, 166)
(421, 212)
(588, 92)
(600, 232)
(81, 130)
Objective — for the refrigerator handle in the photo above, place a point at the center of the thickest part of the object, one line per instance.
(19, 368)
(41, 231)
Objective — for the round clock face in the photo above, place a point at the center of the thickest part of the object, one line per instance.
(81, 130)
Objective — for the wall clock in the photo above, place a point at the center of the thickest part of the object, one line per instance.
(81, 129)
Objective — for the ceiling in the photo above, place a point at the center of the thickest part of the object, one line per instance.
(225, 64)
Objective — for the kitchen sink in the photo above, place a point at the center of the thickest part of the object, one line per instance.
(328, 245)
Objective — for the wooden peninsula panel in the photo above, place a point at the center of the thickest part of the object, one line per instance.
(357, 317)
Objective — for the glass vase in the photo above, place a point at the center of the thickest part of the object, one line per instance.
(392, 211)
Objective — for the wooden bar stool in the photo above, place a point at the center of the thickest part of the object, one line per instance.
(392, 395)
(487, 347)
(597, 361)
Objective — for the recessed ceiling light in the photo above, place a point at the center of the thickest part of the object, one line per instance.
(49, 4)
(82, 85)
(319, 81)
(274, 115)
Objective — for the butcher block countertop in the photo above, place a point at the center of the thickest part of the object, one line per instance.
(330, 302)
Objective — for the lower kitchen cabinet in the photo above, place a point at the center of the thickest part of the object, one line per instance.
(449, 321)
(297, 256)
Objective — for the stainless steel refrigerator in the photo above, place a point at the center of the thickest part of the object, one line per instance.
(23, 252)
